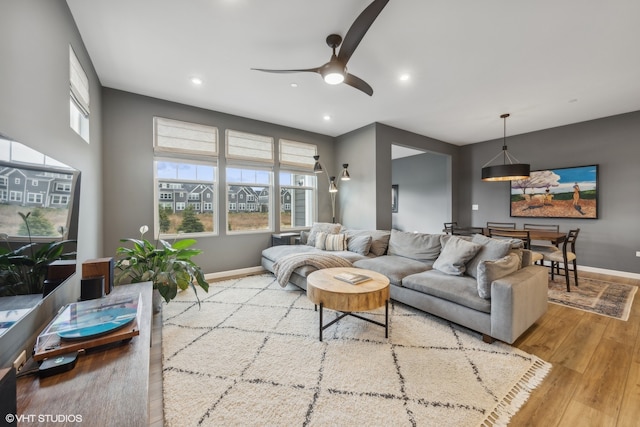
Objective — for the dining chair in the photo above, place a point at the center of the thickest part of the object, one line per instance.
(539, 245)
(523, 235)
(564, 256)
(448, 227)
(502, 225)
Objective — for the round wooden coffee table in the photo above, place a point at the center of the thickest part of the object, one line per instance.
(324, 290)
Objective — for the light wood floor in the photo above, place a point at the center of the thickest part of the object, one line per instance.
(595, 380)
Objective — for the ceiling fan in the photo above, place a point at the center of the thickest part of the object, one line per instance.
(335, 71)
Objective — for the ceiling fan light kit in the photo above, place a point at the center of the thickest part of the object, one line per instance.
(335, 71)
(506, 171)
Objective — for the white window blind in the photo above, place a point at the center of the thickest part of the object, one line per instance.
(79, 83)
(297, 154)
(174, 136)
(246, 146)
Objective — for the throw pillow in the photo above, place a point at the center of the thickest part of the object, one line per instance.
(488, 271)
(455, 254)
(492, 249)
(379, 239)
(418, 246)
(359, 244)
(335, 242)
(317, 227)
(320, 239)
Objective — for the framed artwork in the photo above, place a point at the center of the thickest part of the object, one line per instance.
(394, 198)
(557, 193)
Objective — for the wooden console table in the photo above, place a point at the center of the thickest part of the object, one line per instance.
(107, 387)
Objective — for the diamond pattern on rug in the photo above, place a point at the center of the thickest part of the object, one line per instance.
(605, 298)
(250, 355)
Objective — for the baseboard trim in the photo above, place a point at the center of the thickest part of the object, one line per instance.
(231, 274)
(610, 272)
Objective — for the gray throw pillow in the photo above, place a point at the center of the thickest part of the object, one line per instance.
(492, 249)
(488, 271)
(455, 254)
(418, 246)
(317, 227)
(359, 244)
(379, 239)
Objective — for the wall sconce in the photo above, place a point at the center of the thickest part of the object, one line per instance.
(333, 186)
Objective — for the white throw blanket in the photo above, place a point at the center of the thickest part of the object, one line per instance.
(285, 265)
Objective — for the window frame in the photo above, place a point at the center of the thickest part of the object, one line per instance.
(203, 151)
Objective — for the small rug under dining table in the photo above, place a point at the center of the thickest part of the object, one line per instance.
(250, 355)
(602, 297)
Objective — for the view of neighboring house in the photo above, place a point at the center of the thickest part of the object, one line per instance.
(177, 196)
(35, 187)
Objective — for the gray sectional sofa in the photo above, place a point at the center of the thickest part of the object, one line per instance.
(487, 285)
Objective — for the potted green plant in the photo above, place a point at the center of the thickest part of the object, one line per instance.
(23, 270)
(167, 265)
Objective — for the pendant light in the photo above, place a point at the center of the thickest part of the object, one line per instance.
(506, 171)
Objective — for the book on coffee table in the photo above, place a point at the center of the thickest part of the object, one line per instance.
(352, 278)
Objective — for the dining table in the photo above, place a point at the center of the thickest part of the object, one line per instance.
(555, 237)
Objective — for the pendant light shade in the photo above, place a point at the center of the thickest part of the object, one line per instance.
(510, 171)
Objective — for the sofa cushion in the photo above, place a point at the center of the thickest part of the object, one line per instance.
(359, 244)
(457, 289)
(455, 255)
(392, 266)
(491, 250)
(379, 239)
(488, 271)
(418, 246)
(317, 227)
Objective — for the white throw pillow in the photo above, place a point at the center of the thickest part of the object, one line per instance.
(335, 242)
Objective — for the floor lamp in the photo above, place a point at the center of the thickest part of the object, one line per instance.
(333, 187)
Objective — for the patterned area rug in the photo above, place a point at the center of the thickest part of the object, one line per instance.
(597, 296)
(251, 356)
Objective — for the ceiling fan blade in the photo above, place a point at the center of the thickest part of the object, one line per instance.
(359, 84)
(312, 70)
(359, 28)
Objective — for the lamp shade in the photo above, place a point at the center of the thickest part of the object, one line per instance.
(506, 172)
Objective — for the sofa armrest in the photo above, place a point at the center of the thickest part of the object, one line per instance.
(517, 301)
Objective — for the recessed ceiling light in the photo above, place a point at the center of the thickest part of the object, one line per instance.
(196, 81)
(294, 84)
(404, 77)
(326, 117)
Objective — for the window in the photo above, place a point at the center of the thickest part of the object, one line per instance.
(64, 187)
(34, 198)
(3, 195)
(59, 200)
(297, 200)
(17, 181)
(185, 170)
(79, 97)
(15, 196)
(242, 183)
(250, 160)
(34, 182)
(297, 184)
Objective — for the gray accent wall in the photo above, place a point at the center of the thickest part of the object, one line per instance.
(34, 100)
(128, 191)
(34, 110)
(609, 242)
(424, 192)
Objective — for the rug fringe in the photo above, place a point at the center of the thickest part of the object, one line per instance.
(518, 395)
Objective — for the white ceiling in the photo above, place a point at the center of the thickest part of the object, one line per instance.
(548, 63)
